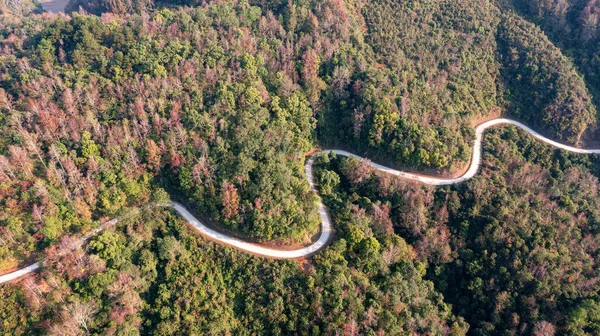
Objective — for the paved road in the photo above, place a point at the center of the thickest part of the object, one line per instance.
(326, 228)
(54, 6)
(475, 159)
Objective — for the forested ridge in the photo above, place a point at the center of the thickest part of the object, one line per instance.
(217, 104)
(514, 249)
(573, 25)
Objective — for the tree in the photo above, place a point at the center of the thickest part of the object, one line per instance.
(153, 155)
(543, 328)
(80, 313)
(88, 147)
(20, 158)
(229, 200)
(327, 181)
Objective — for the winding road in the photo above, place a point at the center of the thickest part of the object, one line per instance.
(326, 228)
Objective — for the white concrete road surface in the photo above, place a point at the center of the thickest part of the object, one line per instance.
(326, 229)
(476, 157)
(54, 6)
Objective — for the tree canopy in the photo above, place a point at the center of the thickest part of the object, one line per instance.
(216, 104)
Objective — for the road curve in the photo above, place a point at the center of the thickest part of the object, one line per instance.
(326, 227)
(476, 156)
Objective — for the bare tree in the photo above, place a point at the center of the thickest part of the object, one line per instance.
(20, 158)
(82, 313)
(6, 170)
(34, 291)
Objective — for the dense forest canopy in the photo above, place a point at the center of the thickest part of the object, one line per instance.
(217, 103)
(514, 249)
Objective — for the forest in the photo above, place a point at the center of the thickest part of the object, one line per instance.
(514, 250)
(216, 104)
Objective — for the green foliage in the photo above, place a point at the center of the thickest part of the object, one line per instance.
(170, 281)
(543, 87)
(573, 26)
(327, 181)
(111, 248)
(409, 93)
(511, 249)
(88, 146)
(160, 196)
(584, 319)
(15, 317)
(218, 105)
(19, 8)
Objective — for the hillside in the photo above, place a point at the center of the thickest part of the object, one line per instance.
(217, 104)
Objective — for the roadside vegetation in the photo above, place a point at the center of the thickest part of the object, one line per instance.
(154, 275)
(513, 250)
(217, 103)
